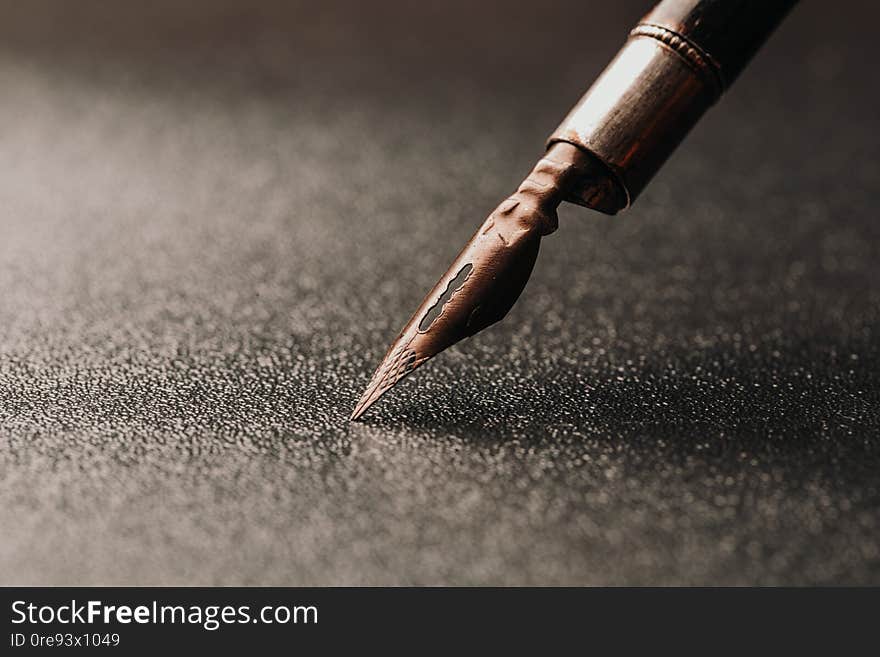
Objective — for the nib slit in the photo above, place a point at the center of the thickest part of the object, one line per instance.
(399, 362)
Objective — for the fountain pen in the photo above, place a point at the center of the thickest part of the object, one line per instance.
(675, 64)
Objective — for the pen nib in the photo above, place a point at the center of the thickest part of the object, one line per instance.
(485, 280)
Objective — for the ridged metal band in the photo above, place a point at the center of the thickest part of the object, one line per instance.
(696, 58)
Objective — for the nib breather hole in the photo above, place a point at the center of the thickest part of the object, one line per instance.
(454, 286)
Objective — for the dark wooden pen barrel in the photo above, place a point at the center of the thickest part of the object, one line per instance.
(677, 61)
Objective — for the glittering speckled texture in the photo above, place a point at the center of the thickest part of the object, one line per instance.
(216, 218)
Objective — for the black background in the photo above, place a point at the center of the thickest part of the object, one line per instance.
(215, 217)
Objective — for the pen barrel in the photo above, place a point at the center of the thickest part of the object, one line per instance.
(677, 62)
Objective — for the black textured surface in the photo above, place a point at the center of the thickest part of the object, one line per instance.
(216, 218)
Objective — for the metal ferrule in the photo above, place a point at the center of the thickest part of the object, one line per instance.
(675, 64)
(639, 109)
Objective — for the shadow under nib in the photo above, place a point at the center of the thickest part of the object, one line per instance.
(482, 284)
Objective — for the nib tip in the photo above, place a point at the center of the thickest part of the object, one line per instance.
(356, 413)
(399, 362)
